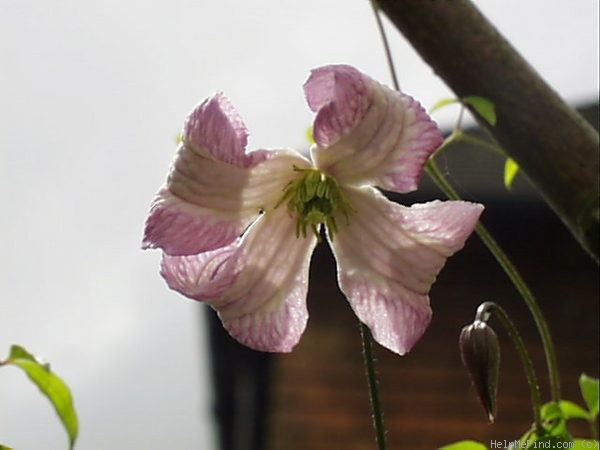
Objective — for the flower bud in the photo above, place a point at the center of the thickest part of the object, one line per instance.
(480, 353)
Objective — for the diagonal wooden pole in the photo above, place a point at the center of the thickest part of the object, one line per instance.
(553, 145)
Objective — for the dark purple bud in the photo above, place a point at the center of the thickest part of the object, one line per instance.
(480, 353)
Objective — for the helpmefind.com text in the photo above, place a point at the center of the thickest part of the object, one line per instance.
(514, 445)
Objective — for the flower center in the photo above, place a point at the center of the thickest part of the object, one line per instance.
(315, 199)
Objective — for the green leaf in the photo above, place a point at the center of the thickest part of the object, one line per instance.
(465, 445)
(554, 421)
(443, 102)
(50, 385)
(484, 107)
(551, 411)
(571, 410)
(510, 172)
(4, 447)
(589, 391)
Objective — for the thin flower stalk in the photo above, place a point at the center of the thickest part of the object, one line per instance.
(376, 410)
(514, 275)
(483, 314)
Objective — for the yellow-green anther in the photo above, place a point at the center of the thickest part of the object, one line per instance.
(321, 189)
(315, 198)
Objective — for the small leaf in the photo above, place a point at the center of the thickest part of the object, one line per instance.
(4, 447)
(510, 172)
(551, 411)
(589, 391)
(484, 107)
(571, 410)
(444, 102)
(554, 422)
(50, 385)
(465, 445)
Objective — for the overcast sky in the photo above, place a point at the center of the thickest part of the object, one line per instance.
(92, 96)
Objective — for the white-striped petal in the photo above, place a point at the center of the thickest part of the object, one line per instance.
(366, 133)
(258, 284)
(388, 257)
(207, 204)
(215, 189)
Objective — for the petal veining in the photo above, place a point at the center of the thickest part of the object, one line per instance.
(182, 228)
(340, 96)
(389, 256)
(258, 284)
(215, 129)
(367, 133)
(214, 189)
(206, 204)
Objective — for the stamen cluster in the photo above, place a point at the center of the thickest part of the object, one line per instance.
(315, 198)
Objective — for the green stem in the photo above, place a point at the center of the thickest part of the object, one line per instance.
(458, 135)
(516, 279)
(483, 313)
(367, 343)
(386, 45)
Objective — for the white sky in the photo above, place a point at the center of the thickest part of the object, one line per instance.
(92, 95)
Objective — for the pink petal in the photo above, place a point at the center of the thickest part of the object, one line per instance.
(180, 227)
(340, 95)
(214, 189)
(207, 204)
(367, 133)
(200, 277)
(214, 128)
(389, 256)
(258, 284)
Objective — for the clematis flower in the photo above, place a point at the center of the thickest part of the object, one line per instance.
(238, 228)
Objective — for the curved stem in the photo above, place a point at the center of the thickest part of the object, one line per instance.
(386, 44)
(457, 127)
(367, 341)
(515, 277)
(482, 314)
(480, 142)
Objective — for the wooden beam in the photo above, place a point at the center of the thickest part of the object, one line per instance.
(553, 145)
